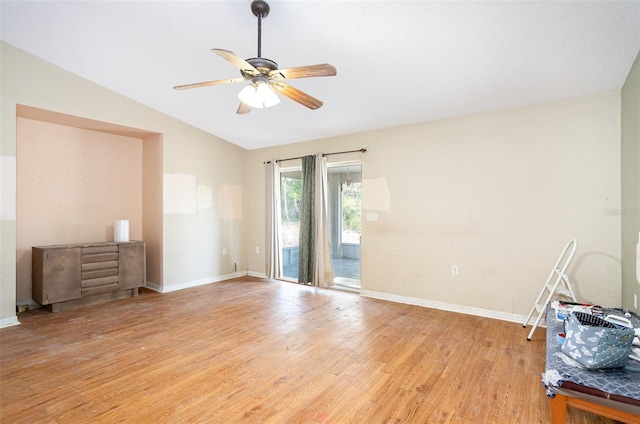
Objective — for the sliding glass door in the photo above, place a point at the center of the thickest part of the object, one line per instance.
(344, 216)
(290, 197)
(345, 222)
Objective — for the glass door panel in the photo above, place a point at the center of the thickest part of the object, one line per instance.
(290, 197)
(344, 215)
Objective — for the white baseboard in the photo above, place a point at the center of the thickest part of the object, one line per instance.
(452, 307)
(153, 286)
(27, 305)
(8, 322)
(194, 283)
(29, 302)
(256, 274)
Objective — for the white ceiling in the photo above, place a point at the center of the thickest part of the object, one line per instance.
(398, 62)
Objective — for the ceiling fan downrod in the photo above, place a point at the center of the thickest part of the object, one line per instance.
(260, 9)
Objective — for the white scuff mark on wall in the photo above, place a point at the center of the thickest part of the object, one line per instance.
(8, 188)
(376, 195)
(230, 202)
(179, 194)
(204, 197)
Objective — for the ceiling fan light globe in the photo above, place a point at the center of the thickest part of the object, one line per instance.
(267, 96)
(258, 95)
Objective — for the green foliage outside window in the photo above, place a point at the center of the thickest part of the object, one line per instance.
(351, 215)
(291, 196)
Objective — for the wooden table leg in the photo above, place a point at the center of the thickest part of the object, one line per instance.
(559, 409)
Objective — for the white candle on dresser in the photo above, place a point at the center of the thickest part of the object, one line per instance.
(121, 230)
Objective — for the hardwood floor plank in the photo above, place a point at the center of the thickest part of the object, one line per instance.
(260, 351)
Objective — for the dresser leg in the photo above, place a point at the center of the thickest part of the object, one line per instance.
(559, 409)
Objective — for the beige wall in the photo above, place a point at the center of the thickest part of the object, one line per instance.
(72, 185)
(630, 209)
(192, 241)
(498, 194)
(152, 148)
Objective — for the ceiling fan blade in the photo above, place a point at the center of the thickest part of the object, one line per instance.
(243, 108)
(237, 61)
(296, 95)
(208, 83)
(321, 70)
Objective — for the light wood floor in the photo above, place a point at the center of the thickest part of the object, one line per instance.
(251, 351)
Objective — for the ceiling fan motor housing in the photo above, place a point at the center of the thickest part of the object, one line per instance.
(262, 64)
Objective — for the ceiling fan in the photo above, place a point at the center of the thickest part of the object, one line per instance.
(264, 76)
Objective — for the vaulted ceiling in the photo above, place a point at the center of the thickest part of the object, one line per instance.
(398, 62)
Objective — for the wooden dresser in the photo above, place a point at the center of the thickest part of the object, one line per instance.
(70, 275)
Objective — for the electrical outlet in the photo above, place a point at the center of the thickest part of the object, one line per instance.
(224, 251)
(635, 301)
(454, 270)
(257, 249)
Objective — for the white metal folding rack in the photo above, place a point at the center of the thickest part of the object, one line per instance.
(560, 286)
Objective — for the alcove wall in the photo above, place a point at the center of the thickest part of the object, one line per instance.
(75, 177)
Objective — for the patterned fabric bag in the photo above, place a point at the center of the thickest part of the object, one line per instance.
(596, 343)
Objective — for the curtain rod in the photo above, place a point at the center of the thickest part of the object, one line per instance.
(363, 150)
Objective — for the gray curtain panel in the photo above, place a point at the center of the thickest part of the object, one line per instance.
(307, 220)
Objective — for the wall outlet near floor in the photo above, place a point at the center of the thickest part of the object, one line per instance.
(257, 249)
(224, 251)
(454, 270)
